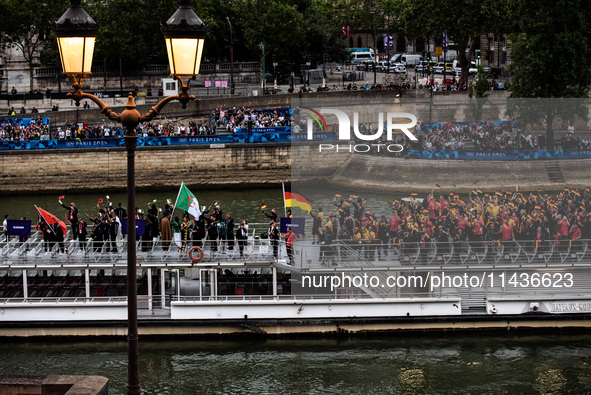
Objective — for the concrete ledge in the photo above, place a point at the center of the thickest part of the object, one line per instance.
(500, 323)
(54, 385)
(420, 175)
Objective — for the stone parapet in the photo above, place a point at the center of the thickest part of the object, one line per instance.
(215, 166)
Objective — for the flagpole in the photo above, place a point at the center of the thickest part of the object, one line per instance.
(284, 206)
(177, 199)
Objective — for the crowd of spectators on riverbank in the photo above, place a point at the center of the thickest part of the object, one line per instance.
(480, 136)
(14, 129)
(238, 118)
(162, 128)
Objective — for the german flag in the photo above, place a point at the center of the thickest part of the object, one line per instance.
(479, 191)
(499, 193)
(337, 195)
(537, 207)
(437, 186)
(566, 189)
(294, 199)
(588, 189)
(517, 188)
(576, 193)
(413, 194)
(509, 192)
(263, 206)
(462, 201)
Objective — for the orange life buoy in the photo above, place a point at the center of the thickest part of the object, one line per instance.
(195, 259)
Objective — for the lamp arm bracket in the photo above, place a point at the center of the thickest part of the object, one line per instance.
(155, 111)
(104, 108)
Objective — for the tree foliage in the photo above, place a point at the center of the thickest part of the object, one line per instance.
(550, 60)
(27, 26)
(463, 20)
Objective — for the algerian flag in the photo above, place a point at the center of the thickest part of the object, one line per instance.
(187, 201)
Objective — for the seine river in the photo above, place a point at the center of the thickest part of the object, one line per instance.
(395, 364)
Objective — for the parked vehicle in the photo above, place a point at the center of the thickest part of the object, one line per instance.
(359, 55)
(383, 66)
(398, 68)
(410, 60)
(422, 66)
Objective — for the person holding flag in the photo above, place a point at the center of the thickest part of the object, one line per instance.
(49, 227)
(294, 199)
(187, 201)
(272, 217)
(72, 216)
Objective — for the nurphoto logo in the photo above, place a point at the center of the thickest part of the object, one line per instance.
(344, 131)
(394, 121)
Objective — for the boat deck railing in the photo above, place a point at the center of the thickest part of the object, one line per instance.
(371, 253)
(339, 254)
(64, 300)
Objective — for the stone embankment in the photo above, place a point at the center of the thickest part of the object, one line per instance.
(421, 175)
(255, 165)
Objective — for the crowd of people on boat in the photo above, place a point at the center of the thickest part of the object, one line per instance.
(214, 229)
(498, 218)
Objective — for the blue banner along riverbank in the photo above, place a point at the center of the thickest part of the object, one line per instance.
(270, 135)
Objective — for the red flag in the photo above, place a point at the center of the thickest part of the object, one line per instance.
(62, 197)
(52, 219)
(100, 200)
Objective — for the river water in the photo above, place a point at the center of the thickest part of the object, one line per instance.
(395, 364)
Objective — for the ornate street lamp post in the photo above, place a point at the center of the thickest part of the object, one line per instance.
(184, 34)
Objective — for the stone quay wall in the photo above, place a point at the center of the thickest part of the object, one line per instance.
(254, 165)
(215, 166)
(421, 175)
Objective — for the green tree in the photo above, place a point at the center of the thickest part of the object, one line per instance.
(27, 26)
(279, 25)
(479, 92)
(325, 32)
(550, 59)
(463, 20)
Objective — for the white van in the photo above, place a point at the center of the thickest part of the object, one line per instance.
(359, 55)
(410, 60)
